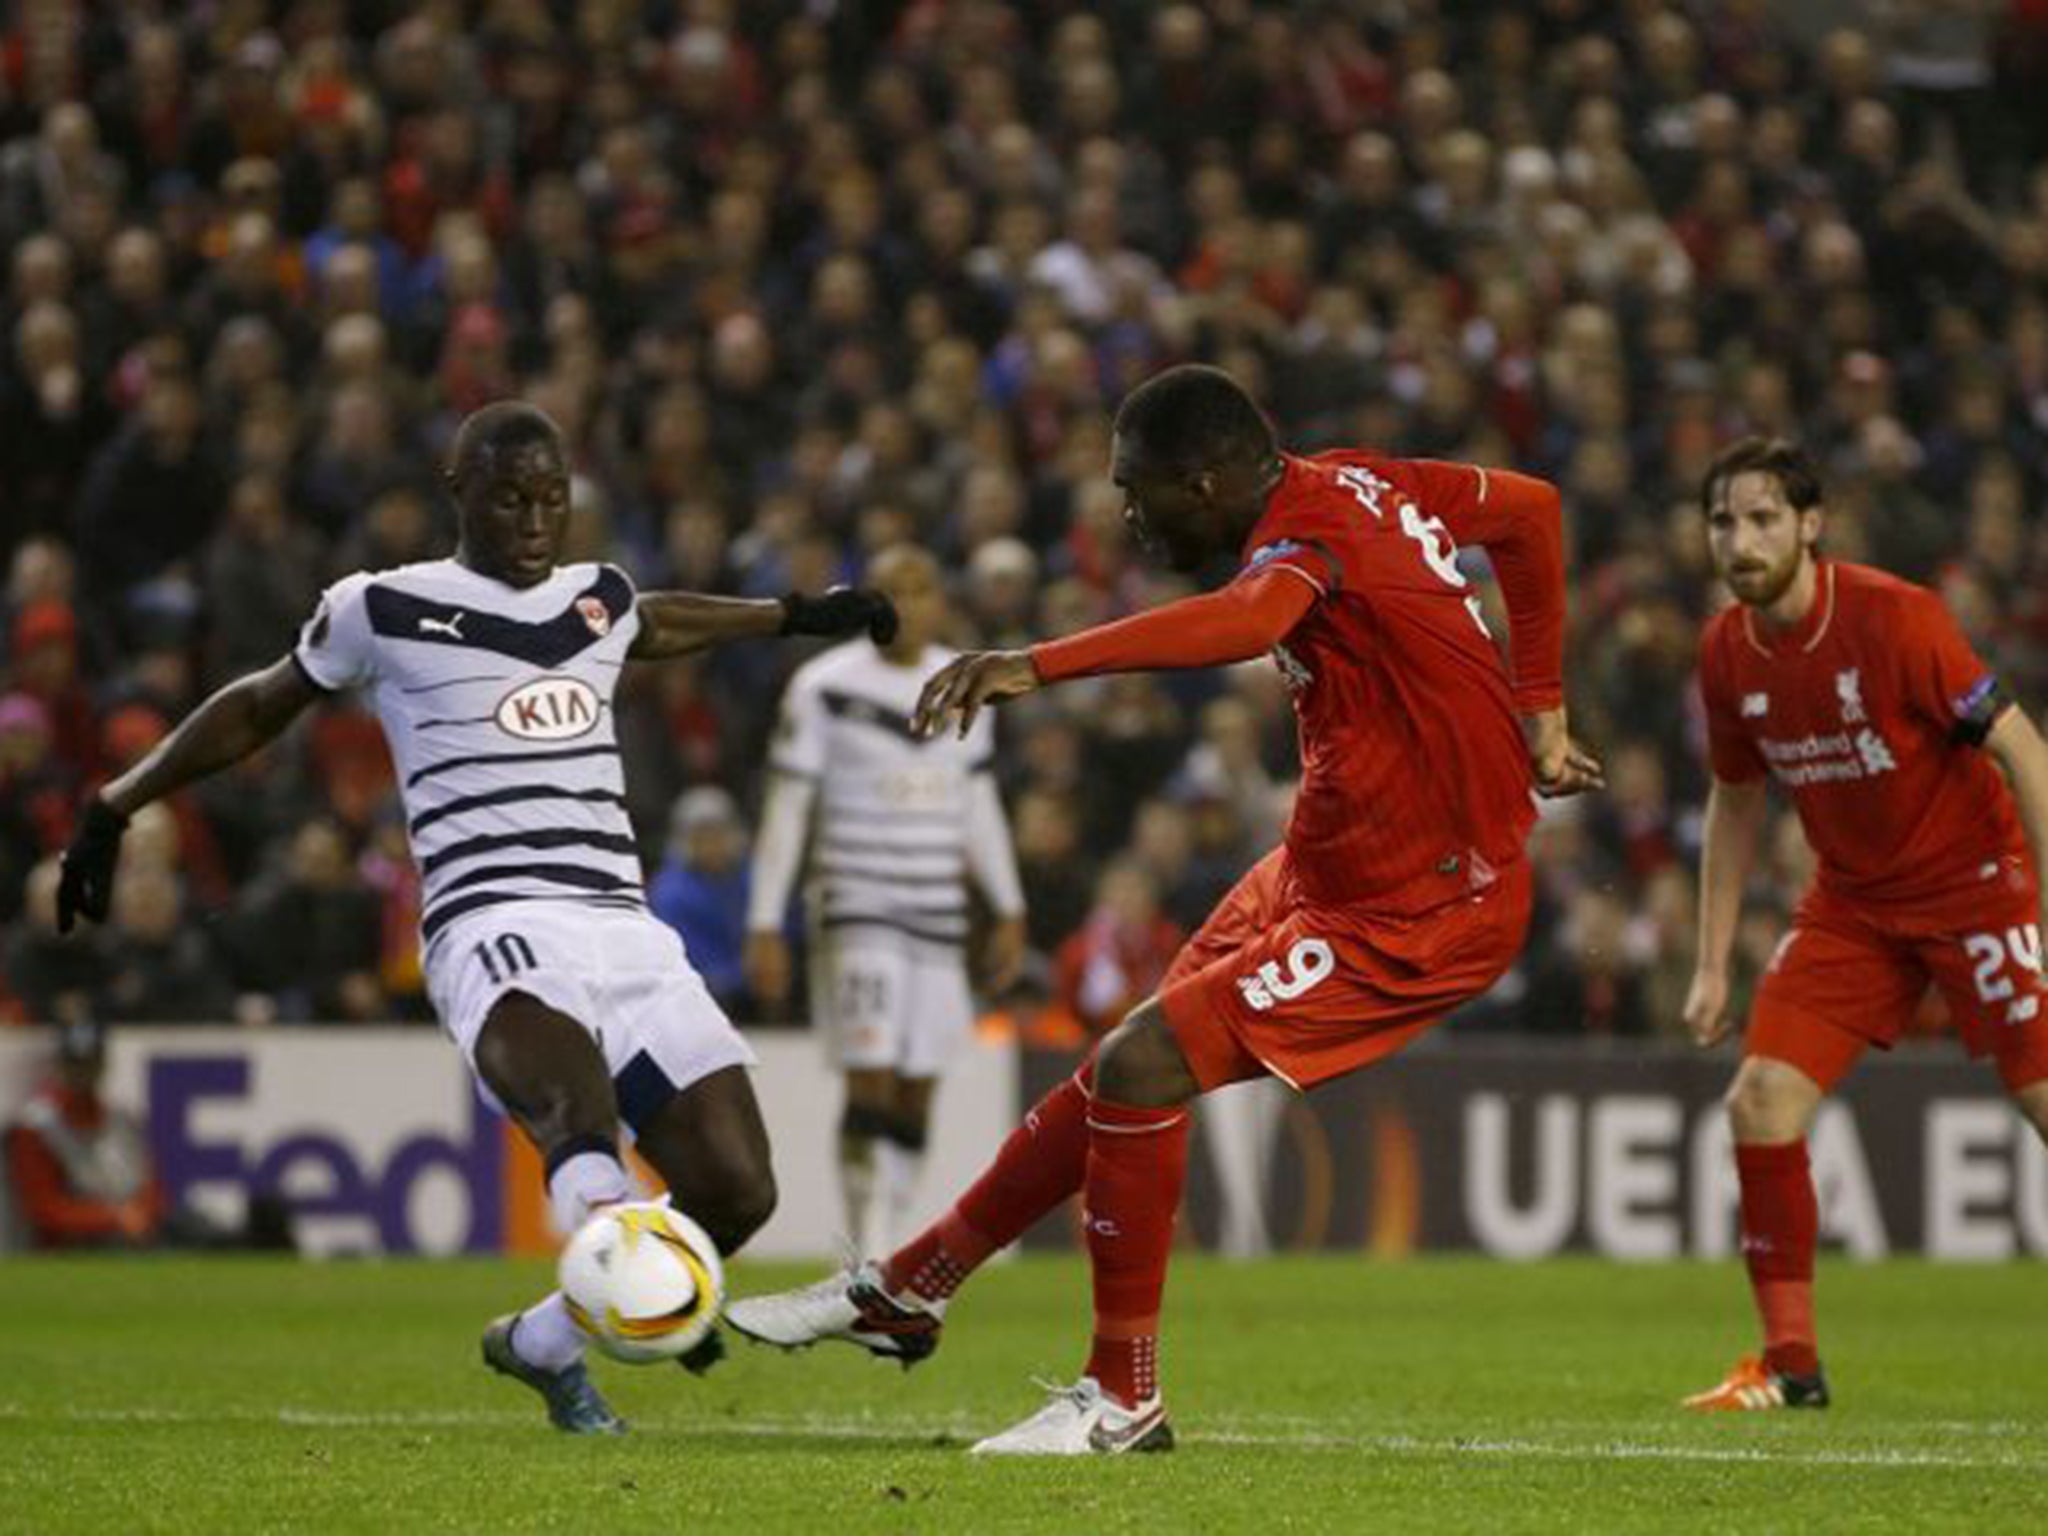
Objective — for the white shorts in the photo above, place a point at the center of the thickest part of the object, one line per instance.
(622, 975)
(887, 1001)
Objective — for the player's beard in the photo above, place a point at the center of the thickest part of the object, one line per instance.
(1762, 587)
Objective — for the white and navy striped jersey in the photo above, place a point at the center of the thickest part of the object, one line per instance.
(497, 703)
(901, 821)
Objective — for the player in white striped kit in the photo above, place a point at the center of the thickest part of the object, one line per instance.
(493, 674)
(901, 822)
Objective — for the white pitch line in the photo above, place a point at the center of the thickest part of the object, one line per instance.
(877, 1430)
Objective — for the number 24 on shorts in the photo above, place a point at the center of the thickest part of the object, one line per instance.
(1308, 962)
(2022, 945)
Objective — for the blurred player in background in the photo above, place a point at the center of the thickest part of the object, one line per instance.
(1859, 694)
(902, 821)
(1399, 893)
(492, 673)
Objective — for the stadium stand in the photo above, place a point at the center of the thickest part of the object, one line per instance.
(801, 280)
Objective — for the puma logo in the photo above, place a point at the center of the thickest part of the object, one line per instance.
(452, 628)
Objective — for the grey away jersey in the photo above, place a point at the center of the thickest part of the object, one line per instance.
(894, 813)
(497, 703)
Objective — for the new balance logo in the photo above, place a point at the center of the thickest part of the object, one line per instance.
(452, 628)
(1755, 705)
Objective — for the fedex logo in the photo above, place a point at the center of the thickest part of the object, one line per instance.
(370, 1182)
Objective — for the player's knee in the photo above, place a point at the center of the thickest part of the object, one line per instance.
(740, 1209)
(1764, 1105)
(909, 1130)
(1116, 1072)
(546, 1072)
(1141, 1063)
(553, 1110)
(860, 1122)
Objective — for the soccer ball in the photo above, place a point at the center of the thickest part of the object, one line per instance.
(643, 1281)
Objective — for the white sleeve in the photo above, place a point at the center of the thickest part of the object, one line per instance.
(799, 744)
(336, 648)
(989, 854)
(778, 850)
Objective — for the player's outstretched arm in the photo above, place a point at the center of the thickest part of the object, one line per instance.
(1247, 618)
(1735, 820)
(246, 715)
(677, 623)
(2016, 746)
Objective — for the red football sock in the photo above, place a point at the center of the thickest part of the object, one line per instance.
(1137, 1163)
(1037, 1167)
(1780, 1225)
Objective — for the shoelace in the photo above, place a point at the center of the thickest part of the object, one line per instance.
(1058, 1390)
(830, 1286)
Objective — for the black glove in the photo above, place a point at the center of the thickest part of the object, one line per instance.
(87, 878)
(840, 611)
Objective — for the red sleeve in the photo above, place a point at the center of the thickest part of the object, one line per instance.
(1731, 753)
(1946, 681)
(1516, 520)
(1234, 623)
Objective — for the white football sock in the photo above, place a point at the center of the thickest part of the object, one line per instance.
(547, 1336)
(859, 1175)
(899, 1169)
(580, 1184)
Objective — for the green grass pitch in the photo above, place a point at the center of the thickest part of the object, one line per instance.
(1310, 1394)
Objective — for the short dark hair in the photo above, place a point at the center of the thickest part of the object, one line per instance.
(496, 427)
(1780, 458)
(1194, 416)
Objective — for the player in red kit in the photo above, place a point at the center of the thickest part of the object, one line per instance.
(1859, 695)
(1399, 892)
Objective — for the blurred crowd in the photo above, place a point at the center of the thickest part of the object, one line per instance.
(799, 280)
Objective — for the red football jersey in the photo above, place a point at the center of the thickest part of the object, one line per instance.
(1415, 779)
(1867, 714)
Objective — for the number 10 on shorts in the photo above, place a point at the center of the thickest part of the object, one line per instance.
(2019, 946)
(514, 955)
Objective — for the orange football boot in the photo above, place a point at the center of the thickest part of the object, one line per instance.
(1753, 1385)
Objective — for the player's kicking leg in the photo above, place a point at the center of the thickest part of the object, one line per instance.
(1126, 1147)
(1770, 1106)
(894, 1308)
(547, 1072)
(710, 1146)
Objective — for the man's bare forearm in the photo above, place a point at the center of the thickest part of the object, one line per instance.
(242, 718)
(677, 623)
(2017, 748)
(1735, 817)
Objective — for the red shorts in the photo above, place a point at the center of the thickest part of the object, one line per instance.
(1275, 983)
(1847, 978)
